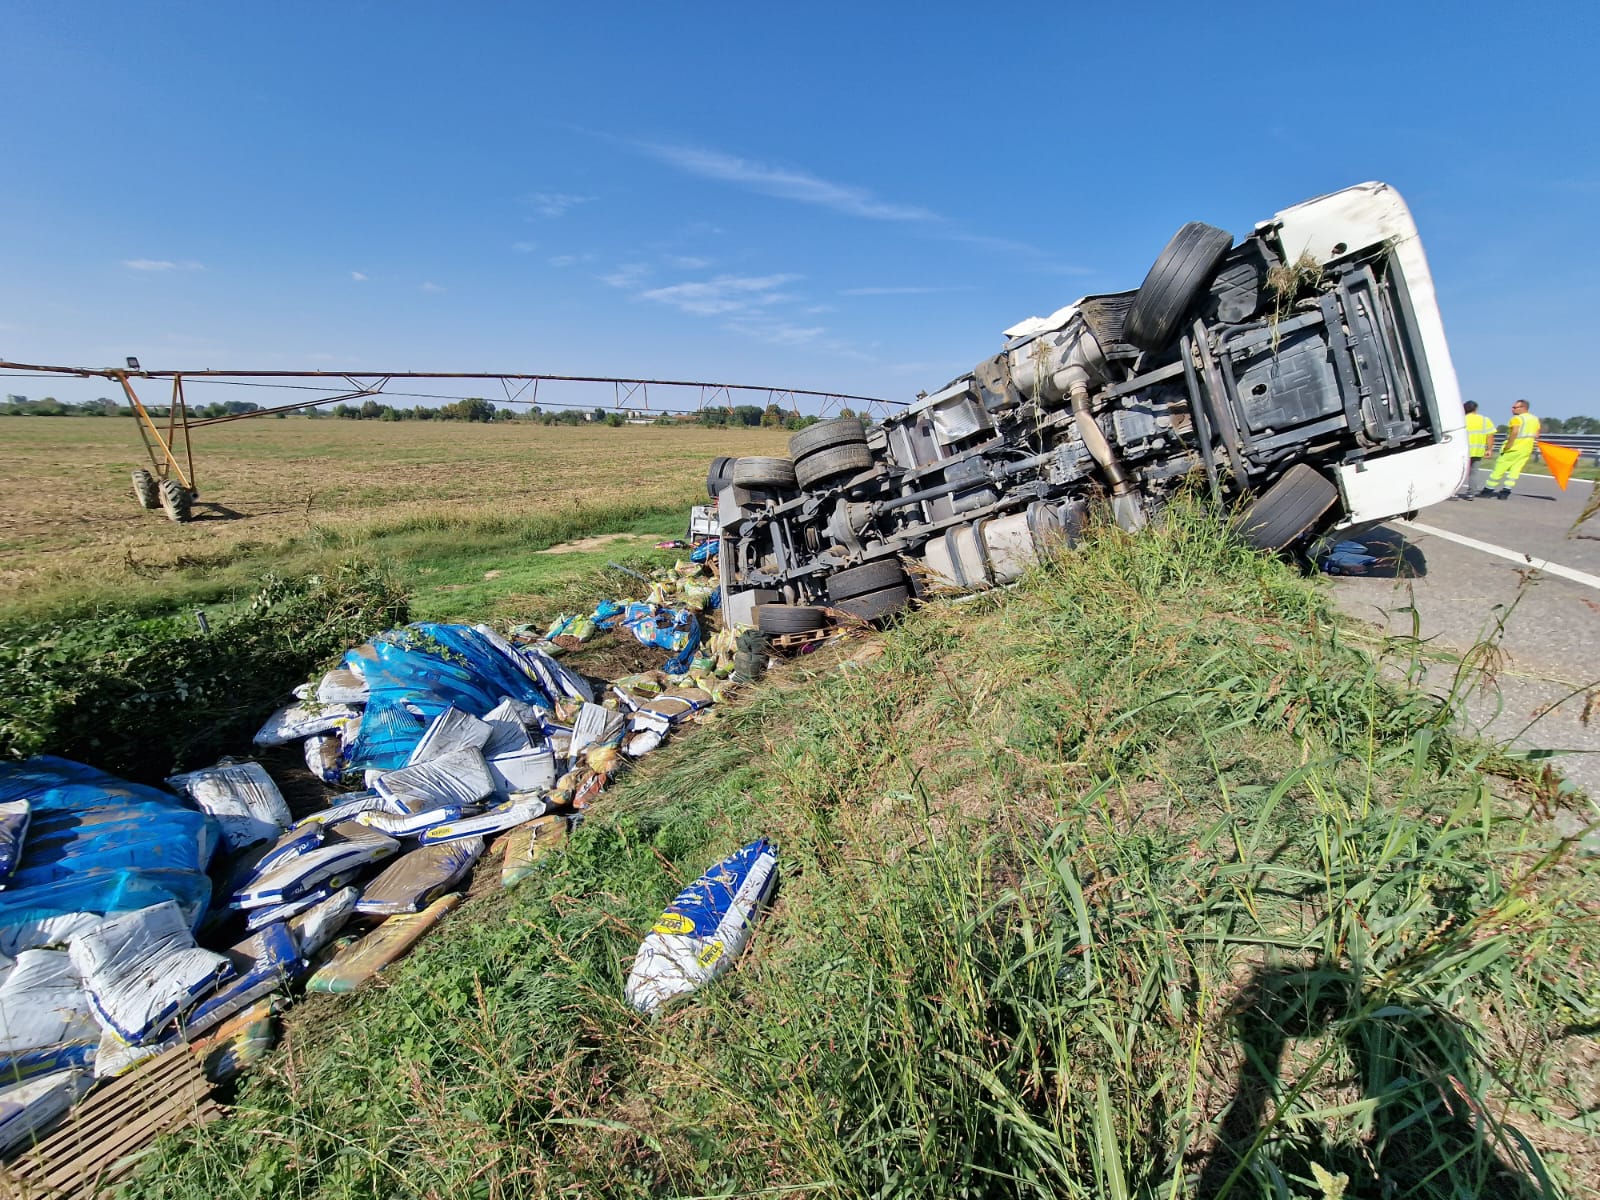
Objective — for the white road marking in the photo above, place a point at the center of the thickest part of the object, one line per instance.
(1515, 556)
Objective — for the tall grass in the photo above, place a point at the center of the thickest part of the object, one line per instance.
(1139, 881)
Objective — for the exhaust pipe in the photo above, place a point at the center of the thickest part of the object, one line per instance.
(1125, 505)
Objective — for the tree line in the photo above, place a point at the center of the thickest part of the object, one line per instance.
(471, 408)
(475, 408)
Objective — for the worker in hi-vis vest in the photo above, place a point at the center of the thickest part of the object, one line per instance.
(1521, 434)
(1480, 444)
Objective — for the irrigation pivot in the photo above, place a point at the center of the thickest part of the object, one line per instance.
(170, 481)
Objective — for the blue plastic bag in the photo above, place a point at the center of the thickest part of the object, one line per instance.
(101, 845)
(415, 673)
(51, 784)
(14, 816)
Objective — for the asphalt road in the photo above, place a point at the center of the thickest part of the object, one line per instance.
(1551, 669)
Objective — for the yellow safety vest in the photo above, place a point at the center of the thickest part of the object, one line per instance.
(1522, 429)
(1479, 430)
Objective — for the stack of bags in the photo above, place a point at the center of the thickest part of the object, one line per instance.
(453, 735)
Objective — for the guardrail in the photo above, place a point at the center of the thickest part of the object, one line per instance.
(1586, 443)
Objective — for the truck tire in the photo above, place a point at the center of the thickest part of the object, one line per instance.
(763, 472)
(820, 466)
(842, 431)
(719, 476)
(1289, 509)
(789, 618)
(860, 581)
(175, 499)
(1179, 275)
(875, 605)
(144, 489)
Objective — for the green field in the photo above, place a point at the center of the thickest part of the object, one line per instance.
(457, 509)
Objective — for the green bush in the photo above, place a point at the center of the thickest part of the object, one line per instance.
(142, 696)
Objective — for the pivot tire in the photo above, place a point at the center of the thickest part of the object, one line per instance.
(822, 466)
(875, 605)
(862, 581)
(1289, 509)
(175, 500)
(1175, 282)
(762, 472)
(789, 618)
(719, 476)
(145, 490)
(824, 435)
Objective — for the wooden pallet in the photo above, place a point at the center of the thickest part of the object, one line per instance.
(93, 1149)
(789, 643)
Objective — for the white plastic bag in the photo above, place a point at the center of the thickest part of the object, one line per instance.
(342, 686)
(496, 820)
(43, 1004)
(331, 865)
(702, 931)
(241, 796)
(450, 731)
(351, 805)
(460, 777)
(320, 924)
(142, 969)
(324, 757)
(32, 1106)
(296, 721)
(526, 770)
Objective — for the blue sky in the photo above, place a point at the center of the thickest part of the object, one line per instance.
(842, 197)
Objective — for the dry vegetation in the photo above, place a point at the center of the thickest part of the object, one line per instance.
(68, 518)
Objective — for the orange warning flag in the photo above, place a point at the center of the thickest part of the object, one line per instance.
(1560, 460)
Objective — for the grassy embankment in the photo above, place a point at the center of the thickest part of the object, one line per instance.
(1138, 880)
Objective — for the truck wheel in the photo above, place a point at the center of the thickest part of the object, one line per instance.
(878, 604)
(720, 475)
(1175, 282)
(1289, 509)
(859, 581)
(144, 489)
(175, 499)
(823, 465)
(789, 618)
(759, 471)
(842, 431)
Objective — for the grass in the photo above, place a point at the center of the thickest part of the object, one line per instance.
(1137, 881)
(438, 505)
(1584, 470)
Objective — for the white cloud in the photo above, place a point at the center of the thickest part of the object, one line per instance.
(567, 260)
(430, 286)
(724, 294)
(358, 276)
(899, 291)
(626, 276)
(524, 247)
(160, 264)
(554, 204)
(687, 262)
(785, 183)
(778, 332)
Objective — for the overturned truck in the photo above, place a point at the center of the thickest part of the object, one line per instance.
(1301, 375)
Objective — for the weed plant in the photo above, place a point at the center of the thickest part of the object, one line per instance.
(1137, 881)
(142, 696)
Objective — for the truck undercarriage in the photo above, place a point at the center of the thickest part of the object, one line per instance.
(1301, 376)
